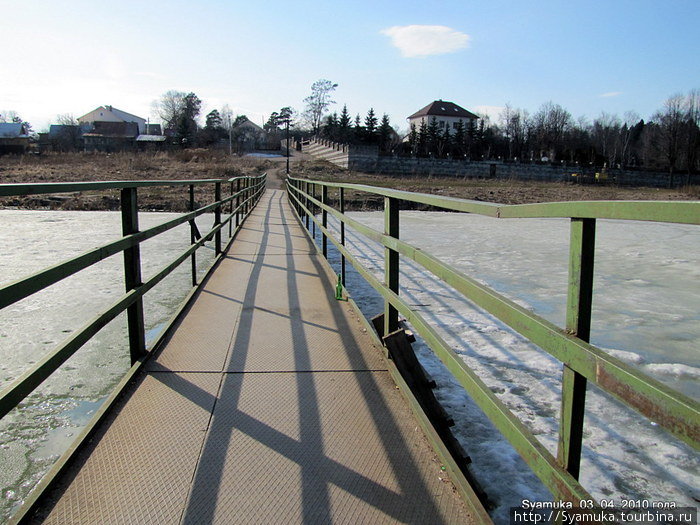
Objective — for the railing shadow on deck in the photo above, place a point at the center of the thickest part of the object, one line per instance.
(447, 298)
(318, 471)
(582, 362)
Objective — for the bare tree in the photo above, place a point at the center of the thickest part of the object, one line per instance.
(514, 125)
(549, 124)
(692, 131)
(318, 102)
(605, 133)
(10, 115)
(66, 119)
(168, 108)
(670, 122)
(630, 119)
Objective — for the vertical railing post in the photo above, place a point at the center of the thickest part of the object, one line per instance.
(238, 202)
(578, 322)
(132, 275)
(324, 219)
(247, 196)
(342, 236)
(193, 238)
(244, 210)
(217, 217)
(313, 211)
(306, 201)
(230, 212)
(391, 263)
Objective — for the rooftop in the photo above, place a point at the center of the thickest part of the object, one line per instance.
(442, 108)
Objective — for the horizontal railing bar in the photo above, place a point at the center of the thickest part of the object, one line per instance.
(27, 382)
(16, 190)
(671, 410)
(683, 212)
(451, 203)
(542, 462)
(24, 287)
(680, 212)
(59, 467)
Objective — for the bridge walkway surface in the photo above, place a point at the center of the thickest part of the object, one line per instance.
(269, 403)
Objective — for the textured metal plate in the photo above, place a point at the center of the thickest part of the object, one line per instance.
(317, 448)
(271, 341)
(140, 469)
(299, 431)
(202, 339)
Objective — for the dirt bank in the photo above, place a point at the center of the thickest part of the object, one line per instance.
(74, 167)
(490, 190)
(203, 164)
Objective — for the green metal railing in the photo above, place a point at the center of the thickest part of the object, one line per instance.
(244, 192)
(582, 362)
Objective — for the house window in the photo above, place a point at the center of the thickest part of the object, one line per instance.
(442, 124)
(454, 125)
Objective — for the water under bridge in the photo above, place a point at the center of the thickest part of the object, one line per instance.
(270, 398)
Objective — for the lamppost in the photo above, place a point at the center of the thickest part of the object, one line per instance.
(286, 121)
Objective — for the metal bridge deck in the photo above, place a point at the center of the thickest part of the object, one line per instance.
(269, 404)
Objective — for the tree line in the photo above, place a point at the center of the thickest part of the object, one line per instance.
(669, 140)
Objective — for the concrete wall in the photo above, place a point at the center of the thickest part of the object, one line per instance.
(368, 160)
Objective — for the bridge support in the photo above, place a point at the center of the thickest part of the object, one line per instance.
(132, 275)
(578, 322)
(391, 263)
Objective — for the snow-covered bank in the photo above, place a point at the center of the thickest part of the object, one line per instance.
(646, 312)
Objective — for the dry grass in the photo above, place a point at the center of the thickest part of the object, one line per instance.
(510, 191)
(74, 167)
(206, 164)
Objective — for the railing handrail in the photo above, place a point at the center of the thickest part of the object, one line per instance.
(681, 212)
(12, 292)
(38, 188)
(672, 410)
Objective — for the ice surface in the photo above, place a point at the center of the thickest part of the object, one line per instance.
(646, 312)
(43, 426)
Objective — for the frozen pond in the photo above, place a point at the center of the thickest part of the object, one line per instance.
(32, 438)
(646, 312)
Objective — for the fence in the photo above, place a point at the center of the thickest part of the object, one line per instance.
(369, 161)
(582, 362)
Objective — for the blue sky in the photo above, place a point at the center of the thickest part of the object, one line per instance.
(593, 56)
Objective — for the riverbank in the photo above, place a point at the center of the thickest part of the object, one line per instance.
(206, 164)
(74, 167)
(487, 190)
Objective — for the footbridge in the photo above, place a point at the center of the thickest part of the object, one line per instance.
(269, 398)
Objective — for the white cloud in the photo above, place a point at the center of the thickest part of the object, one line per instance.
(611, 94)
(421, 41)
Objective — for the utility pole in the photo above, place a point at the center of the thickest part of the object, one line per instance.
(287, 122)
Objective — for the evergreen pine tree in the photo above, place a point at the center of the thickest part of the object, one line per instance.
(423, 139)
(370, 126)
(444, 143)
(413, 140)
(433, 136)
(345, 125)
(358, 130)
(384, 133)
(458, 140)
